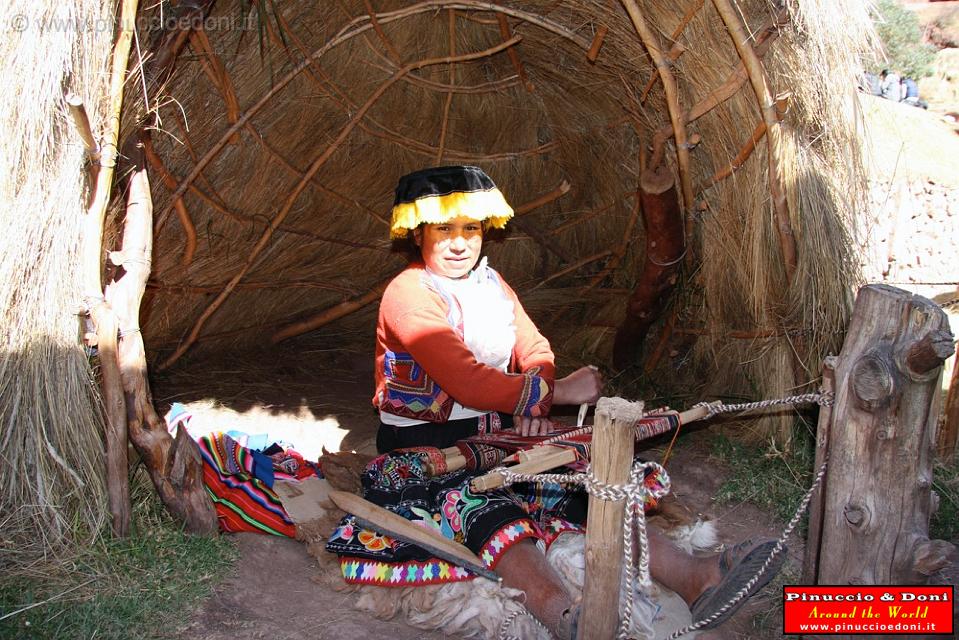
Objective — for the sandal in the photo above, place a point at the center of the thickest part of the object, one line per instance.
(737, 566)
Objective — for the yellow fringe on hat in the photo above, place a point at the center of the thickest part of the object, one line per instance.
(489, 206)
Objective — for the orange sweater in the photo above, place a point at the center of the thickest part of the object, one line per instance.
(422, 363)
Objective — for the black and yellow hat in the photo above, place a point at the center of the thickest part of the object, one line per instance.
(439, 194)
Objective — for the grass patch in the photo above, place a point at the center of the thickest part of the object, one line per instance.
(140, 587)
(769, 479)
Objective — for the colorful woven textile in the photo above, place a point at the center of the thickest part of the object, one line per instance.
(487, 523)
(239, 482)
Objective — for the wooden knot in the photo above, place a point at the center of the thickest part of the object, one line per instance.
(856, 515)
(872, 382)
(922, 358)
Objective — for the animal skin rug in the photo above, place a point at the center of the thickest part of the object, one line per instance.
(478, 608)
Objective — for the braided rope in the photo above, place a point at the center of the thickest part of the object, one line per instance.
(504, 633)
(713, 409)
(780, 544)
(634, 492)
(634, 518)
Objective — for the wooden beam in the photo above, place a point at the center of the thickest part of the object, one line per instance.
(671, 89)
(333, 313)
(760, 83)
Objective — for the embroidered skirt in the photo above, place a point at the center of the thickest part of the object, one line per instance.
(487, 523)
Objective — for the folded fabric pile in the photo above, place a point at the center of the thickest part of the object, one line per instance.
(240, 478)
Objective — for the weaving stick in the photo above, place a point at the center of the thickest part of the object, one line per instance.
(549, 460)
(375, 517)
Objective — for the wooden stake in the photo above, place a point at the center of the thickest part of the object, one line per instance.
(810, 568)
(948, 436)
(82, 122)
(612, 456)
(504, 31)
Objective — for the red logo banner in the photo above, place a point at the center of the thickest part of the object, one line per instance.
(899, 609)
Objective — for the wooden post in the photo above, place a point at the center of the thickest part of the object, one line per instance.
(612, 457)
(174, 464)
(811, 558)
(948, 437)
(876, 508)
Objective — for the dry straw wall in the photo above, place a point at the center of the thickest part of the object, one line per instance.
(278, 130)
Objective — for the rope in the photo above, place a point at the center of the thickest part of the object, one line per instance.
(504, 633)
(780, 544)
(714, 409)
(634, 492)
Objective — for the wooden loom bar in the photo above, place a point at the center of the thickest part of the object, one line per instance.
(314, 167)
(676, 114)
(760, 84)
(544, 457)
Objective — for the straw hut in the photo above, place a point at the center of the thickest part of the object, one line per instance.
(685, 176)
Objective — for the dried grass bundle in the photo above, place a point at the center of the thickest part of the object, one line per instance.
(50, 422)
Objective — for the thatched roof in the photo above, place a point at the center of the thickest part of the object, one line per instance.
(279, 129)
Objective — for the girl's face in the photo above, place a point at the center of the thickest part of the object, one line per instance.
(450, 248)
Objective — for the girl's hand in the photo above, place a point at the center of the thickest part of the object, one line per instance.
(583, 385)
(526, 426)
